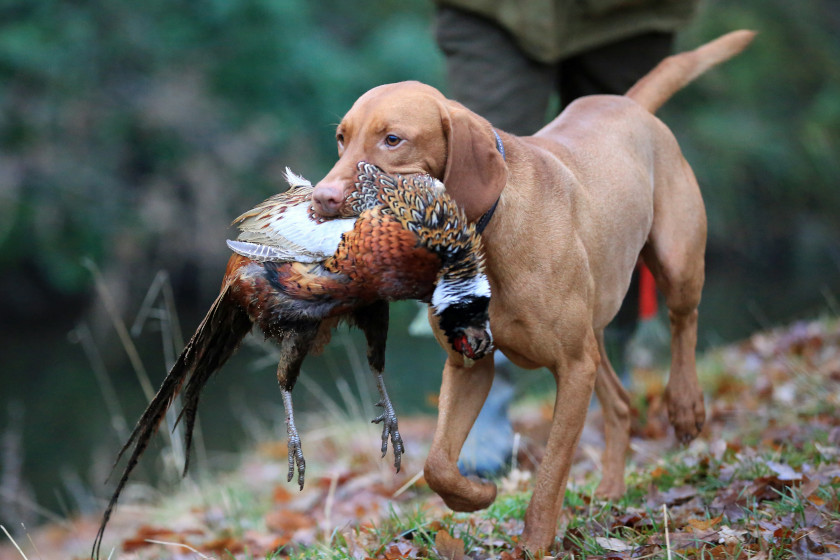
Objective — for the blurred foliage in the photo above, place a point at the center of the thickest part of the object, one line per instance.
(763, 134)
(132, 132)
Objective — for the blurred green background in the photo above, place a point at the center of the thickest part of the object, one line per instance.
(131, 133)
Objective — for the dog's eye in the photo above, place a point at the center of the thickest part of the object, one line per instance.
(392, 140)
(340, 139)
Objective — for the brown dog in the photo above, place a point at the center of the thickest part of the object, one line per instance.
(578, 204)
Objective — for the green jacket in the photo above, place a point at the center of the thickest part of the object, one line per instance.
(549, 30)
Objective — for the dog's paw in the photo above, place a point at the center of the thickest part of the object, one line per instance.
(472, 494)
(686, 412)
(459, 493)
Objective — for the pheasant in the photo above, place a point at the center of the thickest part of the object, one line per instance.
(296, 275)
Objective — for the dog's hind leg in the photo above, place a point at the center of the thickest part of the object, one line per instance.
(675, 254)
(615, 404)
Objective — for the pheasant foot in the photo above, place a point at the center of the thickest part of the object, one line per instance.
(390, 427)
(295, 452)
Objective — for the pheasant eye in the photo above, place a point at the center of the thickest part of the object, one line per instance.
(392, 140)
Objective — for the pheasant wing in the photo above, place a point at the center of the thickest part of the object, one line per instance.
(288, 229)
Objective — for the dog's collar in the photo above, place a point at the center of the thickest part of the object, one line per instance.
(485, 218)
(499, 145)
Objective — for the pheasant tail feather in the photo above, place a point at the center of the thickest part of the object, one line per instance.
(215, 340)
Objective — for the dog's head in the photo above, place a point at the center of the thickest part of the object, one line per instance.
(410, 128)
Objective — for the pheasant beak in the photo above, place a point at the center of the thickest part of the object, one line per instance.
(473, 344)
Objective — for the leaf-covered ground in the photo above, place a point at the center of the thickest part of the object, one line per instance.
(762, 481)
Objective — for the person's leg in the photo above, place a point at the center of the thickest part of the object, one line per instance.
(488, 73)
(612, 68)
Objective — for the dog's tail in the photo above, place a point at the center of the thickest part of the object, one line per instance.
(677, 71)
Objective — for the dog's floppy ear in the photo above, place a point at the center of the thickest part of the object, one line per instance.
(475, 169)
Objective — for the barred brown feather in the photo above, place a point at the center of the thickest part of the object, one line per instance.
(407, 239)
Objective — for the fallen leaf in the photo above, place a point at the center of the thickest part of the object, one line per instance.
(816, 500)
(769, 487)
(287, 521)
(612, 544)
(681, 540)
(658, 472)
(783, 472)
(281, 495)
(675, 496)
(436, 525)
(448, 547)
(804, 546)
(263, 544)
(812, 516)
(828, 452)
(705, 524)
(402, 549)
(222, 545)
(727, 535)
(632, 520)
(809, 486)
(146, 533)
(516, 554)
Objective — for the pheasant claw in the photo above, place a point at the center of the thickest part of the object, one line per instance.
(295, 452)
(296, 459)
(390, 430)
(390, 426)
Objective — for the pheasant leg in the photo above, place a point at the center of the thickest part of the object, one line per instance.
(295, 452)
(373, 321)
(388, 419)
(293, 349)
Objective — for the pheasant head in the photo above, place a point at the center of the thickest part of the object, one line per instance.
(461, 297)
(462, 310)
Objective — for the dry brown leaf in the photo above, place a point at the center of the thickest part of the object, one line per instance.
(401, 549)
(816, 500)
(679, 495)
(147, 532)
(222, 545)
(704, 524)
(449, 547)
(809, 486)
(658, 472)
(287, 521)
(516, 554)
(436, 525)
(769, 487)
(260, 543)
(281, 495)
(612, 544)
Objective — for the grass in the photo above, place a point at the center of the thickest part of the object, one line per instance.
(763, 480)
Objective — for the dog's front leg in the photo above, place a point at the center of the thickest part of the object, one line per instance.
(462, 393)
(575, 375)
